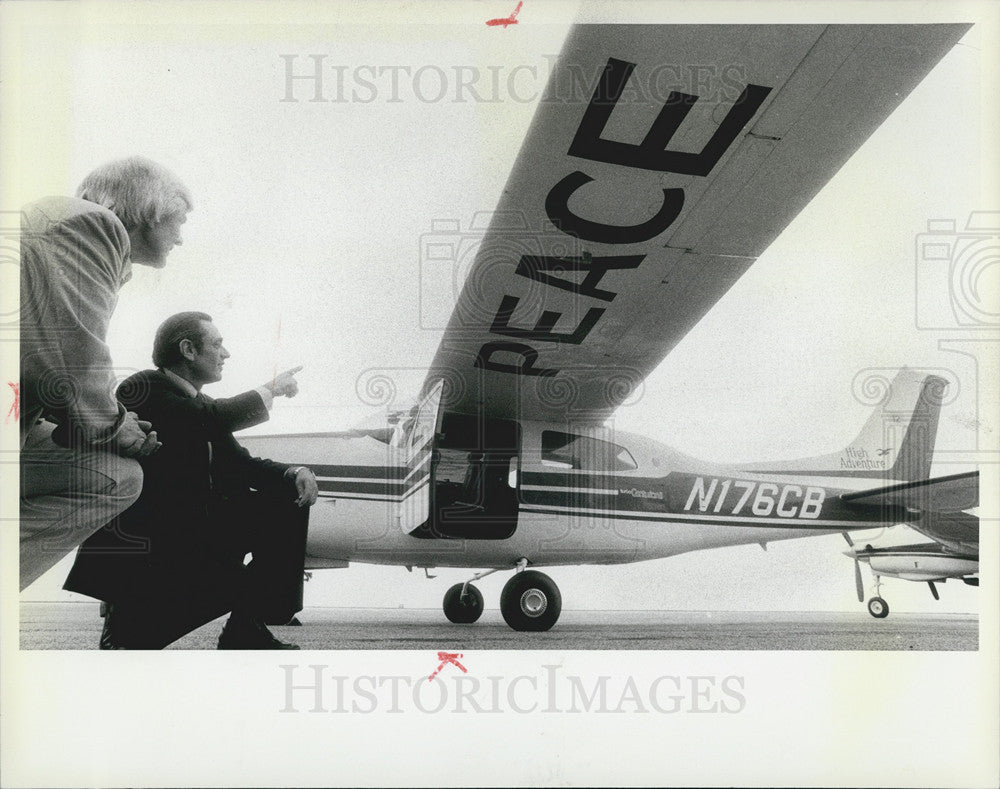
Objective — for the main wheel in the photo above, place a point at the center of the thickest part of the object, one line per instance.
(530, 601)
(463, 610)
(878, 608)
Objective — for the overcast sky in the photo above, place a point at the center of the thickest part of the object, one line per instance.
(305, 247)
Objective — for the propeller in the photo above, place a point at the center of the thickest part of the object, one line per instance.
(858, 582)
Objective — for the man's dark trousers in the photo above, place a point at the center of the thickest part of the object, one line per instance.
(172, 598)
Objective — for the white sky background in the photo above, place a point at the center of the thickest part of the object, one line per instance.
(305, 247)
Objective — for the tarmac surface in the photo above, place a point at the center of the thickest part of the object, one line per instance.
(67, 626)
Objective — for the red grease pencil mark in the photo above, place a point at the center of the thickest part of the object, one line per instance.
(446, 658)
(505, 20)
(15, 408)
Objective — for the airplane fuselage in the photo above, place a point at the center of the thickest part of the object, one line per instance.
(631, 500)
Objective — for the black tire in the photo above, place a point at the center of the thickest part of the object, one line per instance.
(878, 608)
(530, 601)
(463, 610)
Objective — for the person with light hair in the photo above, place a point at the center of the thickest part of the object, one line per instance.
(149, 201)
(78, 445)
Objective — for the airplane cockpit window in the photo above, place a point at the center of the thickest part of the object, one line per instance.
(584, 453)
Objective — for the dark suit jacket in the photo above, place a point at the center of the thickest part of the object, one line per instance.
(176, 537)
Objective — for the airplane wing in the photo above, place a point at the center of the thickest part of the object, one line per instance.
(660, 163)
(934, 506)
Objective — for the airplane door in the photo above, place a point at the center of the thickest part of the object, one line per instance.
(475, 478)
(413, 441)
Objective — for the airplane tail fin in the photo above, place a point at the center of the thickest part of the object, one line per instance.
(907, 419)
(897, 441)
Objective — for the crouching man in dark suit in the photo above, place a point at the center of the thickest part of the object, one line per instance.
(176, 559)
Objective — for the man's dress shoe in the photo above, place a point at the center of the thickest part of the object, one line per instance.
(249, 634)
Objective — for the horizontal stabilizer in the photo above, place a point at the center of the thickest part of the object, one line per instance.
(935, 508)
(943, 494)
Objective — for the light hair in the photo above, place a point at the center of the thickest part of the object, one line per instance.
(138, 190)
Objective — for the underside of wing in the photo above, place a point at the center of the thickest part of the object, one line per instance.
(642, 194)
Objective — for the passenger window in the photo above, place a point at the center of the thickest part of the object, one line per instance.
(566, 450)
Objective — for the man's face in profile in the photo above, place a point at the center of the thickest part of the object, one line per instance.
(152, 244)
(206, 367)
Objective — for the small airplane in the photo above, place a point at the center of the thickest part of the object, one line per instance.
(938, 511)
(636, 202)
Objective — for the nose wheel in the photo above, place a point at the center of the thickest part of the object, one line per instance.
(463, 604)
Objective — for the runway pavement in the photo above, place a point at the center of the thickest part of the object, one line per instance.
(78, 625)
